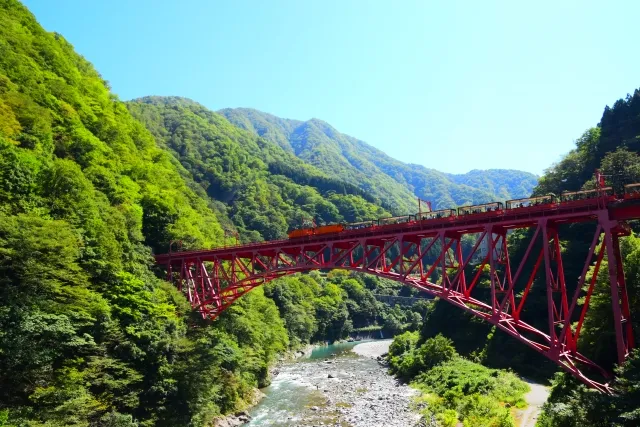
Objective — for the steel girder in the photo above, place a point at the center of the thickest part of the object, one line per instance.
(483, 282)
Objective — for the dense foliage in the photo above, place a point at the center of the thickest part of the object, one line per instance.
(267, 189)
(612, 146)
(394, 182)
(571, 404)
(88, 334)
(455, 389)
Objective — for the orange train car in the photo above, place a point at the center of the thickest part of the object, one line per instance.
(327, 229)
(323, 229)
(304, 232)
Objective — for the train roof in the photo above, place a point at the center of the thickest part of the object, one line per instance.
(480, 205)
(531, 198)
(564, 193)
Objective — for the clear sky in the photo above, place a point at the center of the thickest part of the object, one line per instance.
(453, 85)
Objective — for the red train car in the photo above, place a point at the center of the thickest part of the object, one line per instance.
(586, 197)
(480, 211)
(532, 203)
(443, 214)
(632, 191)
(361, 225)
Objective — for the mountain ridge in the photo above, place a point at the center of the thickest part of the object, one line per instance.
(359, 163)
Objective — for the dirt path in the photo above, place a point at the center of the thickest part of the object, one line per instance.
(535, 398)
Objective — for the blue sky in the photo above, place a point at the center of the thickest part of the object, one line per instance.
(455, 85)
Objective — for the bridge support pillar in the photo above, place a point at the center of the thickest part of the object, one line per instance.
(619, 298)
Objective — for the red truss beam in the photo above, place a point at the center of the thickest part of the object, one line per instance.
(429, 257)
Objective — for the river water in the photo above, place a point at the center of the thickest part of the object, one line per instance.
(334, 386)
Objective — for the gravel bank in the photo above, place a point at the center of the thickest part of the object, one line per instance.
(373, 349)
(348, 390)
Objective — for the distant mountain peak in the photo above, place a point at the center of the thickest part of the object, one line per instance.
(396, 183)
(168, 100)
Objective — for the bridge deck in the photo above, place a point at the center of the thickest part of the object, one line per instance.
(568, 212)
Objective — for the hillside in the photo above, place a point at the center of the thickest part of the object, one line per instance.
(266, 189)
(613, 146)
(89, 335)
(358, 163)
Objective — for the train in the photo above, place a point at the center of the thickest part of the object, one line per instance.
(528, 204)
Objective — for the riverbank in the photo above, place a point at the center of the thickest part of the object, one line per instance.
(337, 386)
(242, 417)
(373, 349)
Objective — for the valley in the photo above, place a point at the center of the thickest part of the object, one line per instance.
(92, 334)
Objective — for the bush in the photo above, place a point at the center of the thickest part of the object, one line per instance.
(407, 361)
(455, 389)
(435, 351)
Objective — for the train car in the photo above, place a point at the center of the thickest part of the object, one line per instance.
(328, 229)
(302, 232)
(361, 225)
(631, 191)
(532, 203)
(486, 209)
(395, 220)
(446, 214)
(586, 197)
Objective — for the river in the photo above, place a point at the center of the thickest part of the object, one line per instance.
(336, 386)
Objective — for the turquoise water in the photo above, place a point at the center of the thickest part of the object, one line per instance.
(327, 351)
(294, 391)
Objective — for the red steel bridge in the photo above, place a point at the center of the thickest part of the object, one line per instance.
(427, 254)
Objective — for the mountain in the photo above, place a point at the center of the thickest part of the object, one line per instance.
(89, 336)
(394, 182)
(264, 188)
(504, 183)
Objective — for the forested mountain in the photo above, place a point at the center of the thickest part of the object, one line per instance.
(266, 189)
(394, 182)
(89, 336)
(504, 183)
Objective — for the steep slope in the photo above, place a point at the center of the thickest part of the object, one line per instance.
(358, 163)
(88, 335)
(266, 188)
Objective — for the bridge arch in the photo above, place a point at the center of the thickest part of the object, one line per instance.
(432, 261)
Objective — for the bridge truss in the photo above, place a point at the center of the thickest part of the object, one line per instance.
(486, 281)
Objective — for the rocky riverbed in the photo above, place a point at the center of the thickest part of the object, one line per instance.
(339, 387)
